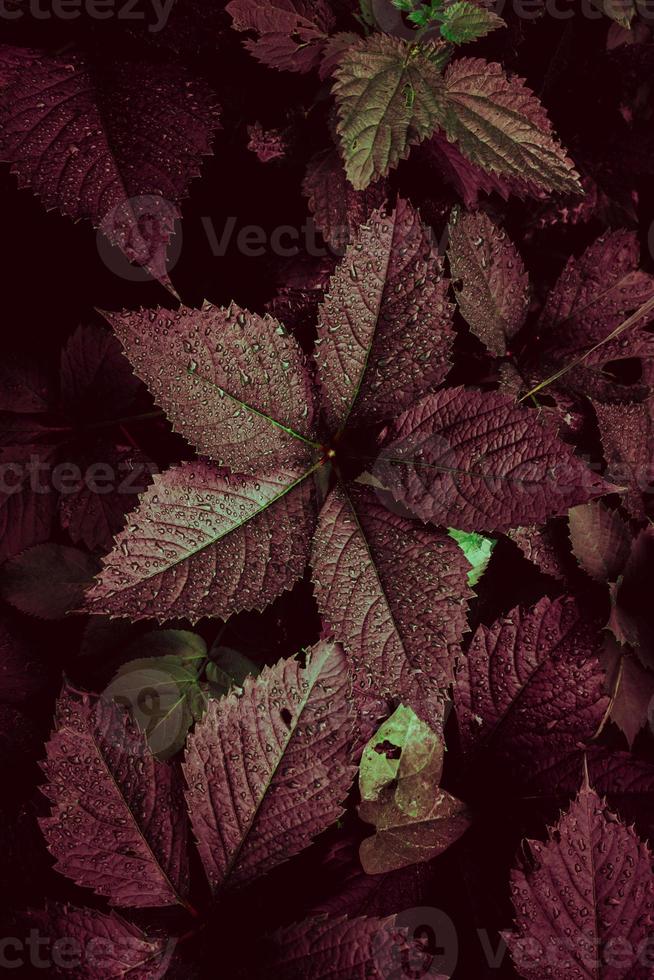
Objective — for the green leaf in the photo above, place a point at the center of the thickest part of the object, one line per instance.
(390, 96)
(464, 21)
(477, 549)
(380, 762)
(163, 693)
(399, 781)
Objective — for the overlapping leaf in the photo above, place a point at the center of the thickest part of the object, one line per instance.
(491, 284)
(530, 689)
(594, 294)
(587, 893)
(108, 945)
(390, 96)
(204, 542)
(342, 949)
(399, 781)
(632, 620)
(163, 691)
(394, 593)
(337, 208)
(500, 125)
(290, 33)
(463, 21)
(115, 142)
(627, 433)
(538, 546)
(385, 326)
(477, 462)
(268, 770)
(117, 823)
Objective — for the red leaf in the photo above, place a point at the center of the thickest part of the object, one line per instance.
(114, 141)
(584, 904)
(530, 689)
(117, 822)
(478, 462)
(206, 543)
(601, 541)
(268, 770)
(385, 327)
(377, 576)
(233, 383)
(290, 33)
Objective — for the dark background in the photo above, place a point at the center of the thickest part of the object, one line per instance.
(53, 279)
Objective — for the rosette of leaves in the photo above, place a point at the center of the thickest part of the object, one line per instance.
(329, 461)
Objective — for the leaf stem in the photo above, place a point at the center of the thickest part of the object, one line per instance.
(629, 322)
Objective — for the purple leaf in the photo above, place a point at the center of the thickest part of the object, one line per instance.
(117, 823)
(627, 433)
(48, 580)
(584, 902)
(593, 295)
(530, 689)
(537, 546)
(233, 383)
(114, 141)
(268, 770)
(337, 208)
(490, 282)
(344, 949)
(290, 33)
(385, 327)
(108, 945)
(632, 619)
(601, 541)
(394, 594)
(96, 381)
(478, 462)
(204, 542)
